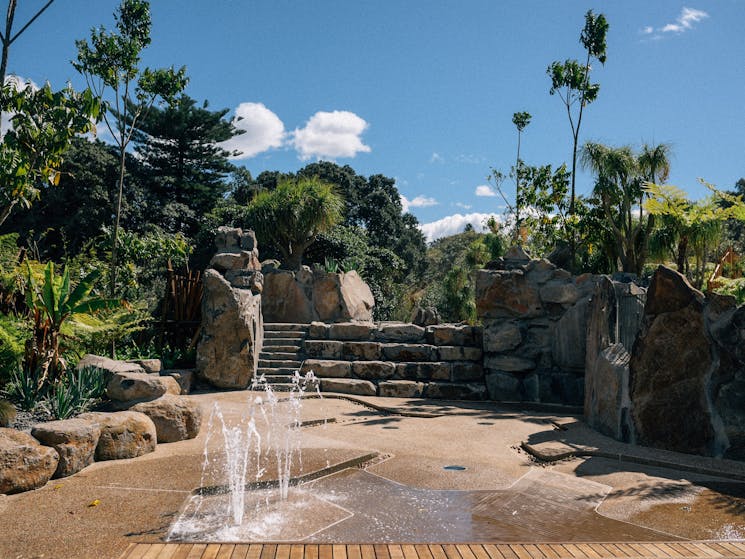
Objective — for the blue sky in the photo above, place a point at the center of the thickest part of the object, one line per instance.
(425, 91)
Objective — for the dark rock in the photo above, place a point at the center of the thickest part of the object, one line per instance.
(506, 294)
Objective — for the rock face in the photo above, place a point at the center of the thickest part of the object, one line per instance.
(307, 295)
(232, 323)
(24, 463)
(108, 366)
(685, 367)
(176, 418)
(133, 388)
(535, 322)
(75, 441)
(124, 434)
(614, 319)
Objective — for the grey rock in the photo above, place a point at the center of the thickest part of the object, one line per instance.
(400, 333)
(373, 370)
(501, 336)
(351, 331)
(424, 371)
(508, 363)
(506, 294)
(150, 366)
(323, 368)
(176, 418)
(318, 330)
(324, 349)
(467, 371)
(366, 351)
(559, 292)
(455, 391)
(24, 463)
(409, 352)
(401, 389)
(502, 386)
(459, 353)
(140, 387)
(124, 434)
(348, 386)
(607, 401)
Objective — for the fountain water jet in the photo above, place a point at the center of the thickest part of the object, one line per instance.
(235, 463)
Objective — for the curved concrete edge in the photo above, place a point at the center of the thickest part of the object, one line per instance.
(559, 455)
(297, 480)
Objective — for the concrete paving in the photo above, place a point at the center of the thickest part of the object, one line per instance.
(99, 511)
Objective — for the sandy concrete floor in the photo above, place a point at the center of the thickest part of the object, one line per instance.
(139, 499)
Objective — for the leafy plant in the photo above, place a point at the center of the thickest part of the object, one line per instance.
(7, 413)
(734, 287)
(76, 392)
(350, 264)
(51, 304)
(24, 389)
(330, 265)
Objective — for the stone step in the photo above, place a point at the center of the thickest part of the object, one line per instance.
(273, 378)
(285, 327)
(287, 348)
(279, 355)
(282, 334)
(277, 363)
(269, 371)
(285, 384)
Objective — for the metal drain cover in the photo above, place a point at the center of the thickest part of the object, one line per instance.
(454, 468)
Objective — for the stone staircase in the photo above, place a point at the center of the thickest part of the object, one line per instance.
(282, 354)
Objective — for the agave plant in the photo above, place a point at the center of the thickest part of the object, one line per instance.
(51, 304)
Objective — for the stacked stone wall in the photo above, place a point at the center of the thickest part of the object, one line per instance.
(397, 360)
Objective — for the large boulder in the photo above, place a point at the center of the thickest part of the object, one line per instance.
(176, 418)
(674, 371)
(306, 295)
(507, 294)
(124, 434)
(24, 463)
(232, 333)
(607, 402)
(109, 367)
(133, 388)
(75, 441)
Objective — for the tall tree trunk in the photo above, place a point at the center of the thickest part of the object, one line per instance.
(682, 256)
(115, 236)
(6, 39)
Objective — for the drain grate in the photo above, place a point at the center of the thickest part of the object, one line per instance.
(454, 468)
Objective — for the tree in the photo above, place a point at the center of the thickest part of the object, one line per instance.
(43, 123)
(182, 162)
(110, 61)
(520, 120)
(691, 224)
(571, 81)
(294, 214)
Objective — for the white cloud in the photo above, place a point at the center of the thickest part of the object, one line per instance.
(418, 202)
(684, 22)
(436, 158)
(462, 205)
(485, 190)
(330, 135)
(263, 130)
(453, 224)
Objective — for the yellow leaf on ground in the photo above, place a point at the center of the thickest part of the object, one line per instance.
(94, 503)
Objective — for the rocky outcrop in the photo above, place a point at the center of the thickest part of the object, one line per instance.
(132, 388)
(614, 319)
(306, 295)
(124, 434)
(109, 367)
(176, 418)
(534, 319)
(687, 370)
(232, 324)
(24, 463)
(75, 441)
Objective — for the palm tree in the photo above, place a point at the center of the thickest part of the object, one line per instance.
(292, 215)
(618, 187)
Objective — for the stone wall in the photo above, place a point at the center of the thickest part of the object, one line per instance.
(232, 325)
(306, 295)
(534, 318)
(397, 360)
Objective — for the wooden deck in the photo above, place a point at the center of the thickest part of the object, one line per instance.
(690, 549)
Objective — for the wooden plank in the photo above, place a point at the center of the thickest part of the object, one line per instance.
(506, 551)
(196, 551)
(182, 551)
(325, 551)
(682, 549)
(573, 550)
(465, 551)
(439, 553)
(409, 552)
(642, 550)
(269, 551)
(311, 551)
(338, 551)
(139, 551)
(283, 551)
(669, 551)
(519, 550)
(534, 550)
(297, 551)
(731, 548)
(478, 550)
(211, 552)
(450, 551)
(614, 550)
(126, 553)
(560, 550)
(169, 550)
(395, 551)
(254, 551)
(589, 551)
(367, 551)
(723, 551)
(547, 551)
(382, 551)
(353, 552)
(240, 551)
(702, 550)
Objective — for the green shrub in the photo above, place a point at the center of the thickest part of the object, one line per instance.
(734, 287)
(76, 392)
(11, 348)
(24, 389)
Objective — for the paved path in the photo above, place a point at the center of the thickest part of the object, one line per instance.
(708, 550)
